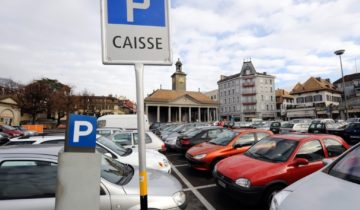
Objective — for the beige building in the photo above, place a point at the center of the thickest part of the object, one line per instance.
(9, 111)
(315, 98)
(179, 105)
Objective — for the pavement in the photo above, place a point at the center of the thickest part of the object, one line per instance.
(200, 187)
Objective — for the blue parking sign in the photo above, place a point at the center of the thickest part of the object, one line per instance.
(81, 133)
(136, 12)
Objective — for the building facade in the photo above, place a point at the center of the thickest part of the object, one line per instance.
(316, 98)
(352, 94)
(247, 95)
(213, 95)
(283, 101)
(9, 111)
(179, 105)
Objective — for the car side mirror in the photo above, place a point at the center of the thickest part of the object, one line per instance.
(299, 162)
(108, 155)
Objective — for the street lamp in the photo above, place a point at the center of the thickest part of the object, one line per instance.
(339, 53)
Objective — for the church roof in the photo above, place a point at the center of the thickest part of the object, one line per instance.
(314, 84)
(162, 95)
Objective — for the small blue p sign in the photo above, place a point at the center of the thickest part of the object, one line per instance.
(81, 134)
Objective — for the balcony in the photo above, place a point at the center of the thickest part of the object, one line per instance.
(249, 111)
(249, 94)
(249, 103)
(248, 84)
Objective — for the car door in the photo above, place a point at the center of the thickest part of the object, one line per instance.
(31, 185)
(242, 144)
(313, 152)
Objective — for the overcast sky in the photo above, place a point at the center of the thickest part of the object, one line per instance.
(291, 39)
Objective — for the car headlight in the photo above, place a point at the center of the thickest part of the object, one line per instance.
(198, 157)
(164, 163)
(243, 182)
(278, 199)
(179, 198)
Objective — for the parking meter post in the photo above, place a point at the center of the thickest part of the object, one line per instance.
(139, 75)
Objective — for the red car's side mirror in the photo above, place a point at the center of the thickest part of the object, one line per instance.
(299, 162)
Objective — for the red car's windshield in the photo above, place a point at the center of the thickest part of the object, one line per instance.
(272, 149)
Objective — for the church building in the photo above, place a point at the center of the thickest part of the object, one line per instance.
(179, 105)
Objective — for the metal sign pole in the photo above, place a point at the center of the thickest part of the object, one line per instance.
(139, 75)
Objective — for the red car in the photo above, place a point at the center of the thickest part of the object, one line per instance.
(274, 163)
(11, 131)
(228, 143)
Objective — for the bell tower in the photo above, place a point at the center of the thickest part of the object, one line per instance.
(179, 78)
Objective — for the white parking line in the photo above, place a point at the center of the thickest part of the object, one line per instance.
(201, 187)
(193, 189)
(181, 165)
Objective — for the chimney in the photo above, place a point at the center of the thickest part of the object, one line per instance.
(318, 78)
(327, 80)
(264, 73)
(222, 77)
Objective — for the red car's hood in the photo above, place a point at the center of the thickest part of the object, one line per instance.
(242, 166)
(203, 148)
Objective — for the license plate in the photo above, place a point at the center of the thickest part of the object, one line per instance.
(222, 184)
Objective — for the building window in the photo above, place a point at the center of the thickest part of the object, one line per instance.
(317, 98)
(270, 89)
(270, 81)
(308, 99)
(262, 97)
(225, 101)
(233, 91)
(228, 92)
(300, 100)
(267, 107)
(271, 98)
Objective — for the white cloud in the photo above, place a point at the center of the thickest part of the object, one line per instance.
(290, 39)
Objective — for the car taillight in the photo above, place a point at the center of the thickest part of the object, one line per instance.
(163, 147)
(185, 141)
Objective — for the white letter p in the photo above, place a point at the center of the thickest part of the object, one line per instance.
(78, 133)
(130, 6)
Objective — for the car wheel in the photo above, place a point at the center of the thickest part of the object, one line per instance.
(269, 194)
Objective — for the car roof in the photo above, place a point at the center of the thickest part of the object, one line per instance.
(300, 137)
(44, 149)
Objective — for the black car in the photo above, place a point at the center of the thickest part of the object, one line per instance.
(199, 135)
(351, 133)
(275, 127)
(321, 127)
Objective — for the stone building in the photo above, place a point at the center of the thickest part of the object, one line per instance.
(352, 93)
(178, 104)
(247, 95)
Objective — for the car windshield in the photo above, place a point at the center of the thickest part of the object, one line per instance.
(193, 133)
(115, 172)
(178, 128)
(272, 149)
(288, 125)
(348, 167)
(118, 149)
(223, 138)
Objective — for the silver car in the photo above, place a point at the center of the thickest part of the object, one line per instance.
(28, 181)
(335, 187)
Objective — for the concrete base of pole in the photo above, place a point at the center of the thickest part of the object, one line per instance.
(78, 185)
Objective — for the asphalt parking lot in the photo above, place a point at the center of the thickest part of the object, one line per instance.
(200, 187)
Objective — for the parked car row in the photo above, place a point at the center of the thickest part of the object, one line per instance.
(15, 131)
(253, 165)
(28, 181)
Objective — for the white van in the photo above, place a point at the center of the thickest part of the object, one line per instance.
(126, 121)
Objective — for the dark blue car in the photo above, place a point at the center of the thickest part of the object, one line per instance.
(351, 133)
